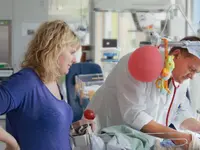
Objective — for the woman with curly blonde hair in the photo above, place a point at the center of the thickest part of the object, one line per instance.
(37, 115)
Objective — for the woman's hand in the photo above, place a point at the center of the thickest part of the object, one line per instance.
(82, 122)
(14, 146)
(9, 140)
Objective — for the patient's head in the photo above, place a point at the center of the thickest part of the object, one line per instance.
(186, 64)
(51, 51)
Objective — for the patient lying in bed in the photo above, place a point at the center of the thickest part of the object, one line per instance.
(125, 138)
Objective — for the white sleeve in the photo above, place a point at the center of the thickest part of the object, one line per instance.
(184, 111)
(132, 102)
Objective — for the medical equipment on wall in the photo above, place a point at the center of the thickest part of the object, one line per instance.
(110, 53)
(145, 23)
(110, 57)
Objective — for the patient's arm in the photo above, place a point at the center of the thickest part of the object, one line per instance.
(154, 127)
(8, 139)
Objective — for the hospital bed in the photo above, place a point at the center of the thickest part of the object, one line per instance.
(121, 138)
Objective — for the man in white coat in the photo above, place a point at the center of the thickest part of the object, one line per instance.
(124, 100)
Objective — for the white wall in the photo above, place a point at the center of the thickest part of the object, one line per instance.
(70, 10)
(67, 17)
(35, 11)
(6, 9)
(20, 12)
(25, 11)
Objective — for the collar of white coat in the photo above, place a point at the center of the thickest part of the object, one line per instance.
(176, 84)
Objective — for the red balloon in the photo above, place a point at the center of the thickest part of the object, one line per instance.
(89, 114)
(146, 63)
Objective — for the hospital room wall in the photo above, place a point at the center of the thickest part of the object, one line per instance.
(196, 12)
(6, 9)
(24, 14)
(96, 30)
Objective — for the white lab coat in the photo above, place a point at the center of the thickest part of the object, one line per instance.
(124, 100)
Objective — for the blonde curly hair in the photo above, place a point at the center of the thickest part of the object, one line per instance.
(50, 40)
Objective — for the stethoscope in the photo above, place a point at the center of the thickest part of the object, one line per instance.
(170, 106)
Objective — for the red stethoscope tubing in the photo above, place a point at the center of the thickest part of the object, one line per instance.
(170, 106)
